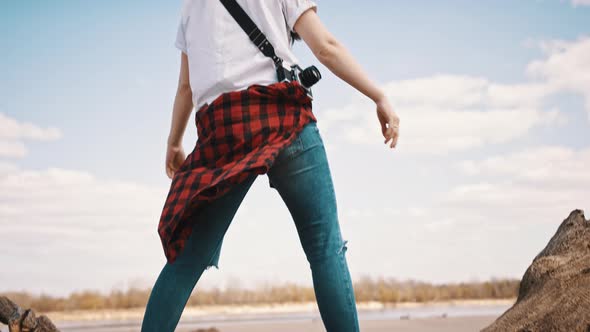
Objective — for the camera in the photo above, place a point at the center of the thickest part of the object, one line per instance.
(306, 77)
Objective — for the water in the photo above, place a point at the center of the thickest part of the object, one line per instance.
(188, 324)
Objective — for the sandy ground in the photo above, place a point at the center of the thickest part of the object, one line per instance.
(456, 316)
(454, 324)
(461, 324)
(208, 311)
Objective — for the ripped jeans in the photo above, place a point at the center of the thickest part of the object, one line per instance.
(302, 177)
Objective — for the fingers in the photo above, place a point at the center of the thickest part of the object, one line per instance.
(389, 124)
(171, 168)
(394, 139)
(394, 125)
(387, 131)
(174, 160)
(169, 172)
(383, 128)
(392, 134)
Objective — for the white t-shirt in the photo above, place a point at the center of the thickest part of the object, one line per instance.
(221, 56)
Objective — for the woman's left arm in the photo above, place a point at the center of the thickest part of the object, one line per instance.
(183, 106)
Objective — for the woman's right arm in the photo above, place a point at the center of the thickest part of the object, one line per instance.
(332, 54)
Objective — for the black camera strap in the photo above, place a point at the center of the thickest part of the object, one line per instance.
(307, 77)
(250, 28)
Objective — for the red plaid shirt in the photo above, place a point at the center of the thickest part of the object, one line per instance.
(239, 133)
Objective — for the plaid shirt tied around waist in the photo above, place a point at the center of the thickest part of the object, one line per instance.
(239, 133)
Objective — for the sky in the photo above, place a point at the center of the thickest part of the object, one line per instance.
(494, 102)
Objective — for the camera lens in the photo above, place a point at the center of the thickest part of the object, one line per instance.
(310, 76)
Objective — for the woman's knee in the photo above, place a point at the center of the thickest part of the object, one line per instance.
(324, 242)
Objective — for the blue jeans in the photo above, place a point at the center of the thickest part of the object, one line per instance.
(302, 177)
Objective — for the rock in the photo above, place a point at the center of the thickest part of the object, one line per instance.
(554, 293)
(23, 321)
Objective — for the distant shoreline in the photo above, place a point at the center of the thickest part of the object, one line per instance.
(213, 310)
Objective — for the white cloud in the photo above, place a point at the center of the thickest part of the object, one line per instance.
(535, 183)
(551, 165)
(506, 207)
(37, 196)
(65, 220)
(12, 129)
(13, 133)
(457, 113)
(566, 67)
(508, 202)
(444, 131)
(6, 167)
(438, 225)
(581, 2)
(445, 113)
(12, 149)
(454, 92)
(514, 196)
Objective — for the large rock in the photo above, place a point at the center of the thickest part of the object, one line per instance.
(554, 293)
(19, 320)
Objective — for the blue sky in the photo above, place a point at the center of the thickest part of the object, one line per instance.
(494, 107)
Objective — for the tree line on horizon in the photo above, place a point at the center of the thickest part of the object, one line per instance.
(366, 289)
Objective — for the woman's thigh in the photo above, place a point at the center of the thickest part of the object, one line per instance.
(203, 246)
(301, 174)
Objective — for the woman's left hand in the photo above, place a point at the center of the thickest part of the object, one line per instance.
(174, 158)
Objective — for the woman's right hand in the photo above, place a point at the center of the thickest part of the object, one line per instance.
(174, 158)
(389, 121)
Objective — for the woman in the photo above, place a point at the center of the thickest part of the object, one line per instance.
(249, 124)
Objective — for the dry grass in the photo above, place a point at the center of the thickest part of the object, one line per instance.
(388, 291)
